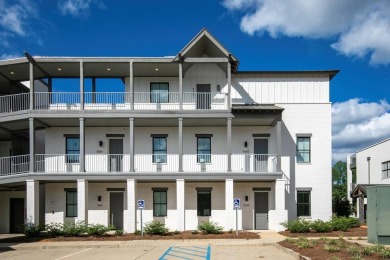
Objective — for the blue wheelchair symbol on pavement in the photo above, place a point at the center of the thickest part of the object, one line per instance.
(141, 204)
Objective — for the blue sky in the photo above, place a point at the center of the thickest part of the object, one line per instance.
(350, 35)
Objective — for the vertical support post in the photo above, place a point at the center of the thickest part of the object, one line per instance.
(180, 200)
(279, 146)
(131, 142)
(281, 214)
(229, 79)
(82, 145)
(229, 144)
(180, 85)
(32, 194)
(31, 86)
(82, 200)
(93, 90)
(131, 206)
(229, 207)
(180, 144)
(81, 85)
(32, 143)
(131, 86)
(237, 221)
(361, 208)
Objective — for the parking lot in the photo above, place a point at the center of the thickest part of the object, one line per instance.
(159, 252)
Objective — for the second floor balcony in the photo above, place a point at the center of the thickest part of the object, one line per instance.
(143, 163)
(117, 101)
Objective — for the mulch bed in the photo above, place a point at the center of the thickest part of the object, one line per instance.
(318, 252)
(126, 237)
(353, 232)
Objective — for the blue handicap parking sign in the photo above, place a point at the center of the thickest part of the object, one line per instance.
(236, 203)
(141, 204)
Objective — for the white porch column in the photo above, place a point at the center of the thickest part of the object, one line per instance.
(180, 202)
(280, 213)
(279, 146)
(82, 200)
(32, 86)
(131, 142)
(32, 143)
(130, 223)
(131, 86)
(229, 83)
(229, 210)
(82, 145)
(32, 194)
(180, 86)
(81, 85)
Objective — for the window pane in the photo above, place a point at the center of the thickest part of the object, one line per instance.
(204, 203)
(303, 203)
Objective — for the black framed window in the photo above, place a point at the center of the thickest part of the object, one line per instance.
(204, 149)
(159, 149)
(72, 149)
(303, 149)
(159, 203)
(303, 203)
(159, 92)
(386, 170)
(204, 203)
(71, 203)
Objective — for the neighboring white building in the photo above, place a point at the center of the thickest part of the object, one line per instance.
(372, 167)
(186, 134)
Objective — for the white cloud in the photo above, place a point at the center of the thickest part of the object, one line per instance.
(357, 124)
(7, 56)
(360, 27)
(14, 17)
(78, 7)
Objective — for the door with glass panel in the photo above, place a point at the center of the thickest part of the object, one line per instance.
(159, 93)
(261, 155)
(203, 100)
(159, 149)
(116, 155)
(204, 150)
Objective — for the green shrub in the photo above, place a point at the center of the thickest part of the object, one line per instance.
(32, 230)
(304, 243)
(378, 247)
(354, 251)
(97, 230)
(176, 232)
(321, 226)
(194, 232)
(54, 229)
(331, 248)
(155, 228)
(119, 232)
(385, 253)
(368, 250)
(210, 228)
(341, 224)
(137, 232)
(75, 229)
(297, 226)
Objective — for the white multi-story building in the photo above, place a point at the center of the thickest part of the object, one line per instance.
(187, 134)
(371, 166)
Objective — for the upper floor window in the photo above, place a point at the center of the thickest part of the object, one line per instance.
(303, 149)
(204, 149)
(72, 149)
(386, 170)
(159, 149)
(159, 92)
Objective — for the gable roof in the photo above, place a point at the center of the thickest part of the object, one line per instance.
(205, 43)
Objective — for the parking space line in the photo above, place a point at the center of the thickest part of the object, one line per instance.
(73, 254)
(187, 252)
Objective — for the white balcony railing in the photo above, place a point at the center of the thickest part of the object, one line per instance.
(104, 163)
(14, 165)
(254, 162)
(115, 101)
(14, 103)
(156, 162)
(205, 162)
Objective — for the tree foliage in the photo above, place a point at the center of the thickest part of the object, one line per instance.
(340, 202)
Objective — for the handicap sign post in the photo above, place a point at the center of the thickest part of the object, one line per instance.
(236, 203)
(141, 206)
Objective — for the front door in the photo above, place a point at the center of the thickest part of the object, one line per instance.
(203, 100)
(16, 215)
(115, 155)
(116, 209)
(261, 210)
(261, 155)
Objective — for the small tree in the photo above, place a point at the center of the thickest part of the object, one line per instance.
(342, 207)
